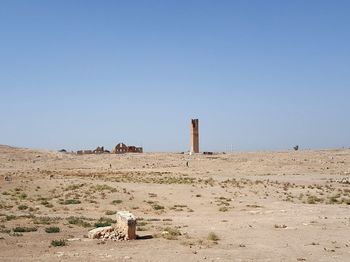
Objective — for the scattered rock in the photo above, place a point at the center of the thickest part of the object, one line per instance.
(74, 239)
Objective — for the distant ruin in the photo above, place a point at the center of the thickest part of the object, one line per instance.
(194, 136)
(84, 152)
(98, 150)
(121, 148)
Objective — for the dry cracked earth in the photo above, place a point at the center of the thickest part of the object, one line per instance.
(259, 206)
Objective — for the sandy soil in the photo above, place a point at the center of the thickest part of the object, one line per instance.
(263, 206)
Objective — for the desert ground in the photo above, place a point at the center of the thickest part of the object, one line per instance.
(256, 206)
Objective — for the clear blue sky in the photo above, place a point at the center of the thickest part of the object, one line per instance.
(260, 75)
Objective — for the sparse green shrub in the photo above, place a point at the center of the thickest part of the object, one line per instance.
(334, 199)
(213, 237)
(313, 199)
(117, 201)
(346, 201)
(79, 221)
(170, 233)
(58, 243)
(74, 186)
(3, 229)
(141, 223)
(22, 196)
(223, 209)
(70, 202)
(46, 204)
(24, 229)
(180, 205)
(110, 212)
(157, 207)
(104, 222)
(103, 187)
(10, 217)
(253, 206)
(22, 207)
(153, 219)
(15, 234)
(52, 230)
(45, 220)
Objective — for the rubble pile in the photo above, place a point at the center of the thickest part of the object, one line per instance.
(107, 233)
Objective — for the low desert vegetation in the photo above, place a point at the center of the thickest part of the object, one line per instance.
(46, 220)
(70, 202)
(74, 187)
(24, 229)
(110, 212)
(103, 187)
(10, 217)
(58, 243)
(22, 207)
(104, 222)
(223, 209)
(46, 204)
(116, 202)
(213, 237)
(170, 233)
(5, 230)
(52, 230)
(79, 221)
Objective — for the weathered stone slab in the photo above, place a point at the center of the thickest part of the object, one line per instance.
(126, 223)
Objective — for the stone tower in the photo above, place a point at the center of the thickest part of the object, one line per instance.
(194, 136)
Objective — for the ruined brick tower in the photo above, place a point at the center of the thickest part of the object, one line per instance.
(194, 136)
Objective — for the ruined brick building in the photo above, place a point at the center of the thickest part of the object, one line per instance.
(122, 148)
